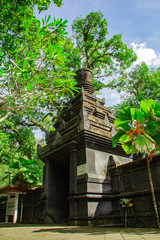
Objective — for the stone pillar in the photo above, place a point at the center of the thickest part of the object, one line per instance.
(15, 216)
(73, 185)
(45, 179)
(73, 170)
(45, 194)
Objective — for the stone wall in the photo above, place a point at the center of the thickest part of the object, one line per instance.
(32, 207)
(131, 181)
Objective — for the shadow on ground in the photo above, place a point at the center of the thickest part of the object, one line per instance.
(98, 231)
(75, 230)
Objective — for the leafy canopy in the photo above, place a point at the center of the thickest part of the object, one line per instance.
(26, 172)
(95, 51)
(140, 83)
(18, 142)
(33, 77)
(13, 14)
(139, 128)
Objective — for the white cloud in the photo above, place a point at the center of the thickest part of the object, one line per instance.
(147, 55)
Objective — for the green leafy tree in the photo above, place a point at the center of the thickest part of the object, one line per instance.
(74, 58)
(17, 142)
(32, 63)
(94, 51)
(34, 79)
(27, 172)
(140, 83)
(12, 15)
(139, 132)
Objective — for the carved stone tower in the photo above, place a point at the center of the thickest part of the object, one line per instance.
(77, 186)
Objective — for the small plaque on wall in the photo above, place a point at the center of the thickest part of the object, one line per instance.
(81, 169)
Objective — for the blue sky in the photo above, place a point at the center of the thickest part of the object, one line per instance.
(137, 20)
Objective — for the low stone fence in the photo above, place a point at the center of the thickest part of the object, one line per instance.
(33, 207)
(131, 181)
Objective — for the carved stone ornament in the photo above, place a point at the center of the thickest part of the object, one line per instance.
(106, 120)
(98, 103)
(94, 111)
(103, 100)
(84, 121)
(57, 138)
(82, 90)
(39, 149)
(62, 125)
(113, 131)
(87, 125)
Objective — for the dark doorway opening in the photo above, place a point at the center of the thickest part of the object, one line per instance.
(58, 189)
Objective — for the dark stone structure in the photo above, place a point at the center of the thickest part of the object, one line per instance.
(77, 155)
(131, 181)
(33, 210)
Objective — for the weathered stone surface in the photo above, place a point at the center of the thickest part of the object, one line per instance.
(82, 147)
(131, 181)
(84, 79)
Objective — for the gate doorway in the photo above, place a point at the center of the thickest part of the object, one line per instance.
(58, 189)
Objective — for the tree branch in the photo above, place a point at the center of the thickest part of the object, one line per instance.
(2, 97)
(5, 116)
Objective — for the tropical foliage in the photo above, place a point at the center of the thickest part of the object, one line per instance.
(27, 172)
(34, 80)
(94, 51)
(140, 83)
(12, 16)
(126, 202)
(139, 129)
(18, 143)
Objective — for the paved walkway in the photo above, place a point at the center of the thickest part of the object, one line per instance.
(41, 232)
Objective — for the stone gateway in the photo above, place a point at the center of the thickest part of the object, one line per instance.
(77, 185)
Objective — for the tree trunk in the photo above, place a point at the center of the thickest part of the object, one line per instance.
(125, 217)
(153, 193)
